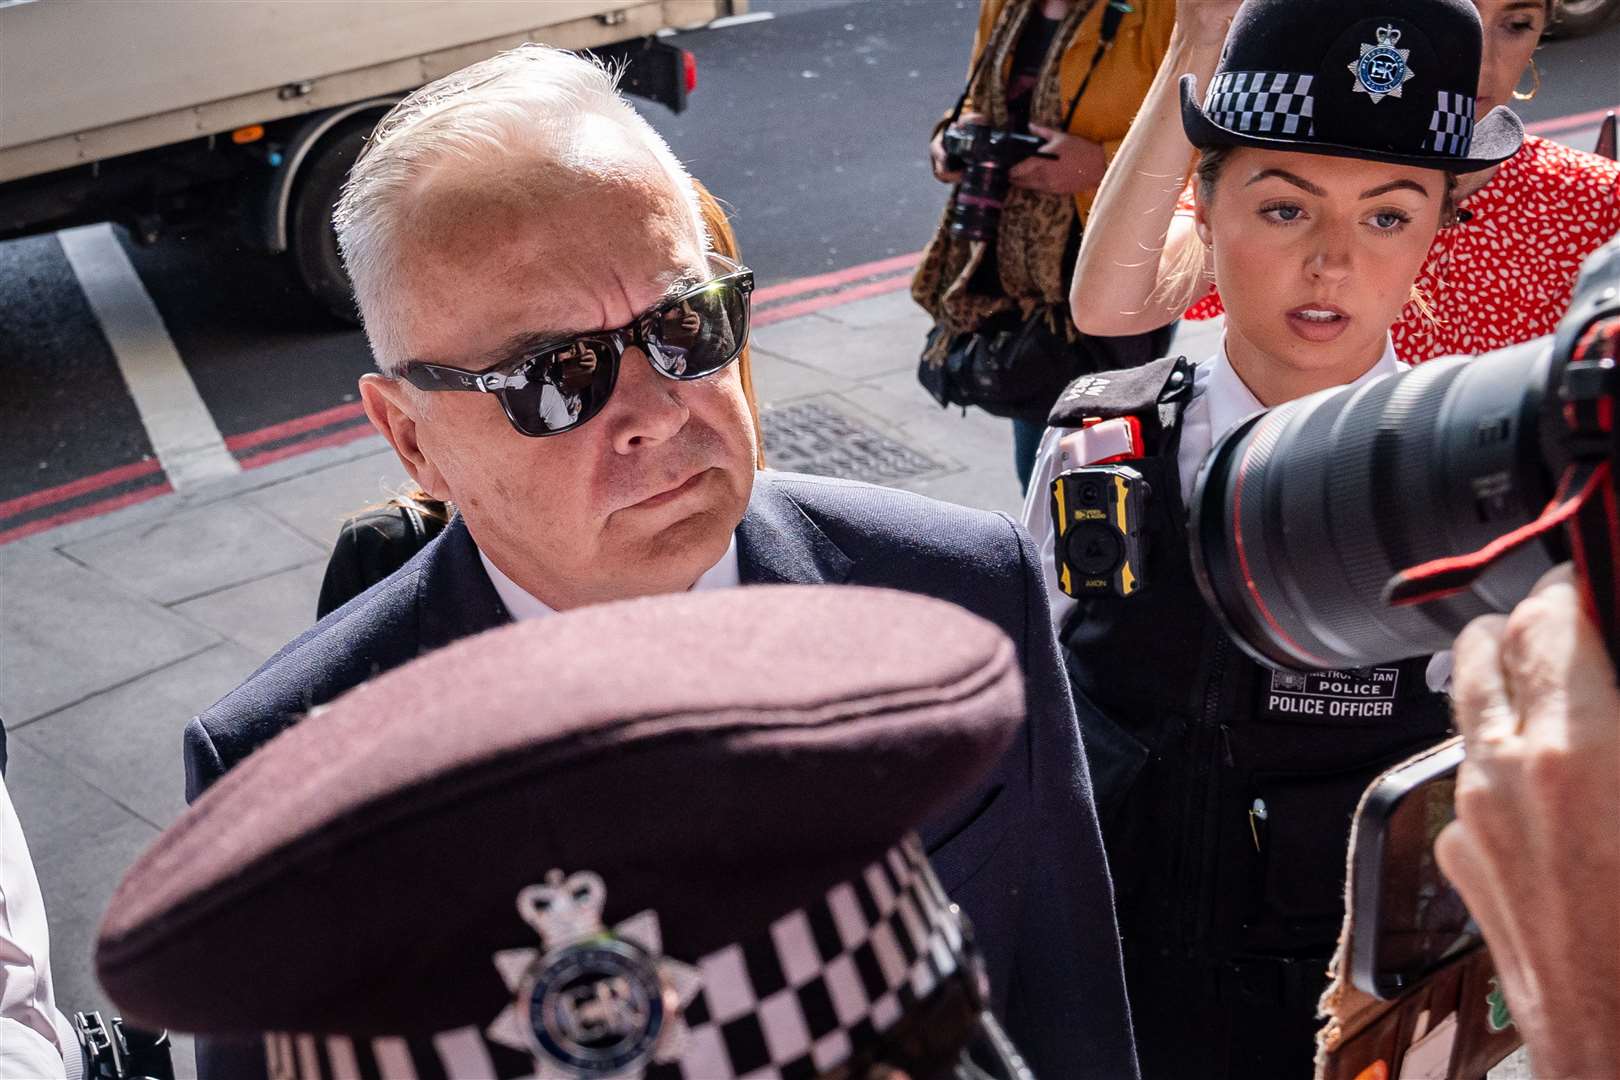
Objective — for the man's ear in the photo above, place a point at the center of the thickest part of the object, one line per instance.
(389, 406)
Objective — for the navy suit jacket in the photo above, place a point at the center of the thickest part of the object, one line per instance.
(1022, 855)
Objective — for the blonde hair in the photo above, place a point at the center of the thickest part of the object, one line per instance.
(533, 91)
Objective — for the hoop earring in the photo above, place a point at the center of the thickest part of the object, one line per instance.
(1535, 84)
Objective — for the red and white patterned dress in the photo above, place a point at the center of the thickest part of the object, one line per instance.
(1507, 274)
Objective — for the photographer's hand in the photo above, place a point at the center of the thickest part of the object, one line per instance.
(1535, 849)
(1078, 166)
(936, 149)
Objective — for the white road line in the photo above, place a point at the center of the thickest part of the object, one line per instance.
(179, 425)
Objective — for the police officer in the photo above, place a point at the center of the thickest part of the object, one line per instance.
(1329, 140)
(612, 863)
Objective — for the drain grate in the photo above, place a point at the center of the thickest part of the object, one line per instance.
(811, 437)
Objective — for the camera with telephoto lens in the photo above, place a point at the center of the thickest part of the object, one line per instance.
(1371, 523)
(984, 155)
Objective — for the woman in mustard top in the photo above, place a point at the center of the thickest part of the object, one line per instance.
(1035, 64)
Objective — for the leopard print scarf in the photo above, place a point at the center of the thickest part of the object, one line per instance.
(1035, 226)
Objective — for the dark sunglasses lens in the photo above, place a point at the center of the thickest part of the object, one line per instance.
(565, 389)
(701, 334)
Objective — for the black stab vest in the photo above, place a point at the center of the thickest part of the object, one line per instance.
(1224, 789)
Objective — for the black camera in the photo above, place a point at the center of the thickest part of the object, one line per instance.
(1098, 512)
(111, 1051)
(1367, 524)
(984, 155)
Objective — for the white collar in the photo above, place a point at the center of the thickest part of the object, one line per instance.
(1230, 401)
(521, 605)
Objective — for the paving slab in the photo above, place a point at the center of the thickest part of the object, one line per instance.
(67, 633)
(897, 306)
(317, 503)
(850, 354)
(197, 552)
(261, 615)
(802, 340)
(1198, 338)
(126, 742)
(82, 842)
(778, 379)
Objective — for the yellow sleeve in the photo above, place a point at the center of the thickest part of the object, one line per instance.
(1159, 21)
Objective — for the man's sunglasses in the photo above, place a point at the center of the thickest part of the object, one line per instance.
(558, 386)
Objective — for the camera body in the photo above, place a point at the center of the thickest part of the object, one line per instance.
(109, 1050)
(985, 155)
(1099, 512)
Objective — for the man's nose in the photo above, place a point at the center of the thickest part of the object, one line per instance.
(646, 407)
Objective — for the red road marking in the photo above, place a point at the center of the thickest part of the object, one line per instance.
(836, 277)
(288, 428)
(74, 488)
(1574, 120)
(335, 438)
(95, 509)
(843, 296)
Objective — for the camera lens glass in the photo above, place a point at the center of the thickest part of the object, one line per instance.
(1093, 549)
(1303, 514)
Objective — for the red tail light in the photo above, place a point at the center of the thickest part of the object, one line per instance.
(689, 67)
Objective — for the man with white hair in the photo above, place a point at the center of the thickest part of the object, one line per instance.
(516, 232)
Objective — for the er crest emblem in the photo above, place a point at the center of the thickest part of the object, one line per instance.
(1381, 69)
(591, 1002)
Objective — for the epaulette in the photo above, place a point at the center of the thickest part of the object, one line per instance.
(1154, 393)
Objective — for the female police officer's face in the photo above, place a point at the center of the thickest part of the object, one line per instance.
(1314, 257)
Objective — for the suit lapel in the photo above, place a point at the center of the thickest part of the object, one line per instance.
(455, 598)
(778, 543)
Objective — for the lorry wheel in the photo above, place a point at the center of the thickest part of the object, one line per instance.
(311, 239)
(1577, 18)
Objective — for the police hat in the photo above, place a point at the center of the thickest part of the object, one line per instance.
(671, 836)
(1384, 80)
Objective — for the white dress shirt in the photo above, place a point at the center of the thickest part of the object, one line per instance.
(30, 1044)
(521, 605)
(1221, 401)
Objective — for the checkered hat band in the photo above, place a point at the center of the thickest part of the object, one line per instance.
(1262, 103)
(820, 985)
(1451, 127)
(827, 980)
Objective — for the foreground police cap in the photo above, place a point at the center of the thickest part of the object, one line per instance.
(669, 837)
(1384, 80)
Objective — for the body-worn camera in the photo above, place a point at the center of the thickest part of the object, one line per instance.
(984, 155)
(1099, 512)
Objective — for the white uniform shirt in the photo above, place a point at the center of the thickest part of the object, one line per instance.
(30, 1043)
(1220, 402)
(521, 605)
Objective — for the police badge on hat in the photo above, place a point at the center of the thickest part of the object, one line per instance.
(592, 1002)
(1381, 70)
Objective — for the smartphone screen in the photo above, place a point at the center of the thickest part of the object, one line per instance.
(1409, 919)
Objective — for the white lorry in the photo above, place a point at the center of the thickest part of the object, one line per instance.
(159, 115)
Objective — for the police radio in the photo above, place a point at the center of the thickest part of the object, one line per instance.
(1099, 510)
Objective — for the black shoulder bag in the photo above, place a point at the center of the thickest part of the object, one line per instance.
(1005, 365)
